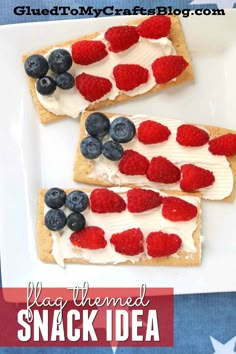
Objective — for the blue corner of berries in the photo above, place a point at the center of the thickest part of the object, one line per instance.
(55, 219)
(121, 130)
(59, 62)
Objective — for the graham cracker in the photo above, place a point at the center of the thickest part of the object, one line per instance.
(44, 240)
(84, 167)
(176, 36)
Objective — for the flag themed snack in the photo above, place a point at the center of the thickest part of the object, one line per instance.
(98, 70)
(119, 225)
(167, 154)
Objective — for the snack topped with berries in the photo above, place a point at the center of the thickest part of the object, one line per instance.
(100, 69)
(117, 225)
(160, 153)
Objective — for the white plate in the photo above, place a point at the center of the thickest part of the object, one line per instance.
(35, 156)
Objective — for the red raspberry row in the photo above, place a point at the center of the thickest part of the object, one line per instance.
(190, 135)
(129, 77)
(129, 242)
(161, 170)
(103, 200)
(119, 38)
(151, 132)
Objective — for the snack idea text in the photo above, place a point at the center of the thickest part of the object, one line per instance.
(91, 316)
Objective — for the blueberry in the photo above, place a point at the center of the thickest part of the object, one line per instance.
(65, 81)
(60, 61)
(36, 66)
(55, 198)
(112, 150)
(55, 219)
(46, 85)
(91, 147)
(77, 201)
(97, 125)
(76, 221)
(122, 130)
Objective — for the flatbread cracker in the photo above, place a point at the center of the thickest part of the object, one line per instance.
(176, 36)
(84, 167)
(44, 240)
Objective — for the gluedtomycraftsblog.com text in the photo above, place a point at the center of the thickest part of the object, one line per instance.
(112, 11)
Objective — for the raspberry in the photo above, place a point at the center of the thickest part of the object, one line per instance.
(129, 76)
(223, 145)
(129, 242)
(176, 209)
(163, 171)
(161, 244)
(121, 37)
(140, 200)
(155, 27)
(150, 132)
(133, 163)
(92, 87)
(87, 52)
(103, 200)
(190, 135)
(168, 67)
(91, 237)
(194, 178)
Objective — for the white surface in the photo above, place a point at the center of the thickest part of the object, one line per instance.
(35, 156)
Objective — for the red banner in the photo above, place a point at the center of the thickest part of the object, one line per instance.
(83, 316)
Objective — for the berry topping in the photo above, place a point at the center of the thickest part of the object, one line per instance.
(59, 61)
(112, 150)
(139, 200)
(103, 200)
(122, 130)
(176, 209)
(55, 198)
(223, 145)
(150, 132)
(76, 221)
(46, 85)
(155, 27)
(190, 135)
(133, 163)
(160, 244)
(121, 37)
(88, 52)
(97, 125)
(77, 201)
(168, 67)
(92, 87)
(55, 219)
(163, 171)
(91, 147)
(91, 237)
(36, 66)
(194, 178)
(129, 76)
(65, 81)
(129, 242)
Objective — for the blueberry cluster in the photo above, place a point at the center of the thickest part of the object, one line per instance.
(59, 61)
(121, 130)
(55, 219)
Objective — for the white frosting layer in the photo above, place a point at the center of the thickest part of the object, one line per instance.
(111, 223)
(107, 170)
(71, 103)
